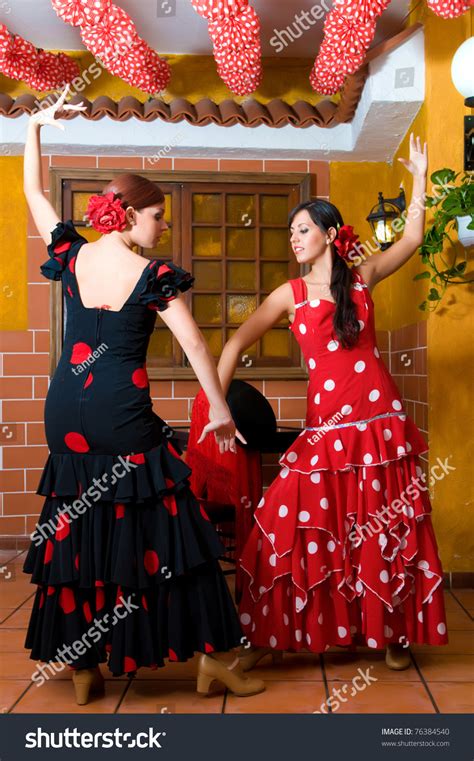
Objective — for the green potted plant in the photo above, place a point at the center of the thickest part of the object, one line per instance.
(453, 206)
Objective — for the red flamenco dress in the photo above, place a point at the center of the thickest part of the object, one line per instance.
(131, 569)
(325, 564)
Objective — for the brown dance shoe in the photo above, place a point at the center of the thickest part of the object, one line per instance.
(86, 681)
(234, 678)
(397, 657)
(249, 657)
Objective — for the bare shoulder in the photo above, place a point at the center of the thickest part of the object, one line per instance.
(283, 296)
(140, 263)
(126, 265)
(283, 292)
(277, 303)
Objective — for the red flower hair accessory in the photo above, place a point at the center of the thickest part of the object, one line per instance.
(105, 213)
(346, 241)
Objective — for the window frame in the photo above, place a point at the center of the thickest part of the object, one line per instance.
(60, 177)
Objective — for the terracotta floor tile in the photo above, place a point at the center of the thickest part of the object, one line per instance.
(17, 619)
(166, 696)
(446, 668)
(12, 640)
(457, 618)
(7, 555)
(466, 598)
(11, 572)
(453, 697)
(299, 666)
(57, 696)
(10, 691)
(173, 671)
(15, 593)
(280, 697)
(16, 665)
(345, 667)
(387, 697)
(19, 559)
(5, 612)
(460, 641)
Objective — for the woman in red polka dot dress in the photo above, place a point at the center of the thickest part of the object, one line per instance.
(125, 561)
(343, 550)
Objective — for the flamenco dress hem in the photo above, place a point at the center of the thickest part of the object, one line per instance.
(341, 552)
(136, 559)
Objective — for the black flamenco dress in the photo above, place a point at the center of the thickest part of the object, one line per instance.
(124, 558)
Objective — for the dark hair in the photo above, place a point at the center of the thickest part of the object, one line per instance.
(325, 215)
(135, 190)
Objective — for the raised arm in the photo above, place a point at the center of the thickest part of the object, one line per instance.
(181, 323)
(376, 268)
(265, 317)
(43, 213)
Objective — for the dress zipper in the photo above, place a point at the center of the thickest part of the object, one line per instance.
(97, 332)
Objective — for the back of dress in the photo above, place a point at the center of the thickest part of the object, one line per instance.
(99, 400)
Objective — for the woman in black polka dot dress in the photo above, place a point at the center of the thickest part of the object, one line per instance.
(125, 562)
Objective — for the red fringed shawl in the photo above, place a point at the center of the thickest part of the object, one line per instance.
(226, 478)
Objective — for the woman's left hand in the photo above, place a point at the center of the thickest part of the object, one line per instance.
(58, 109)
(224, 430)
(417, 164)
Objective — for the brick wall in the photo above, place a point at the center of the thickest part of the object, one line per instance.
(408, 357)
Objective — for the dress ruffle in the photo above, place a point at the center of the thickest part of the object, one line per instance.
(63, 238)
(163, 282)
(378, 441)
(146, 540)
(131, 478)
(324, 548)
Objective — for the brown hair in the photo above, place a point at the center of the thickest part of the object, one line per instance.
(135, 190)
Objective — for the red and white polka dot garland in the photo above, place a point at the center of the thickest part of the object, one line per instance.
(110, 34)
(142, 67)
(349, 29)
(351, 36)
(450, 8)
(81, 12)
(361, 10)
(235, 32)
(19, 59)
(234, 28)
(213, 9)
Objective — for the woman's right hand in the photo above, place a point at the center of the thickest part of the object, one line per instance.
(51, 114)
(222, 424)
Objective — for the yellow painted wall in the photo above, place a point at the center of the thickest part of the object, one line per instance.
(13, 269)
(450, 330)
(353, 188)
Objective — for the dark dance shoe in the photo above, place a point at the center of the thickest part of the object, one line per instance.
(234, 679)
(85, 681)
(249, 657)
(397, 657)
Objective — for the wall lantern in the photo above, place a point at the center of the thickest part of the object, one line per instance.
(382, 216)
